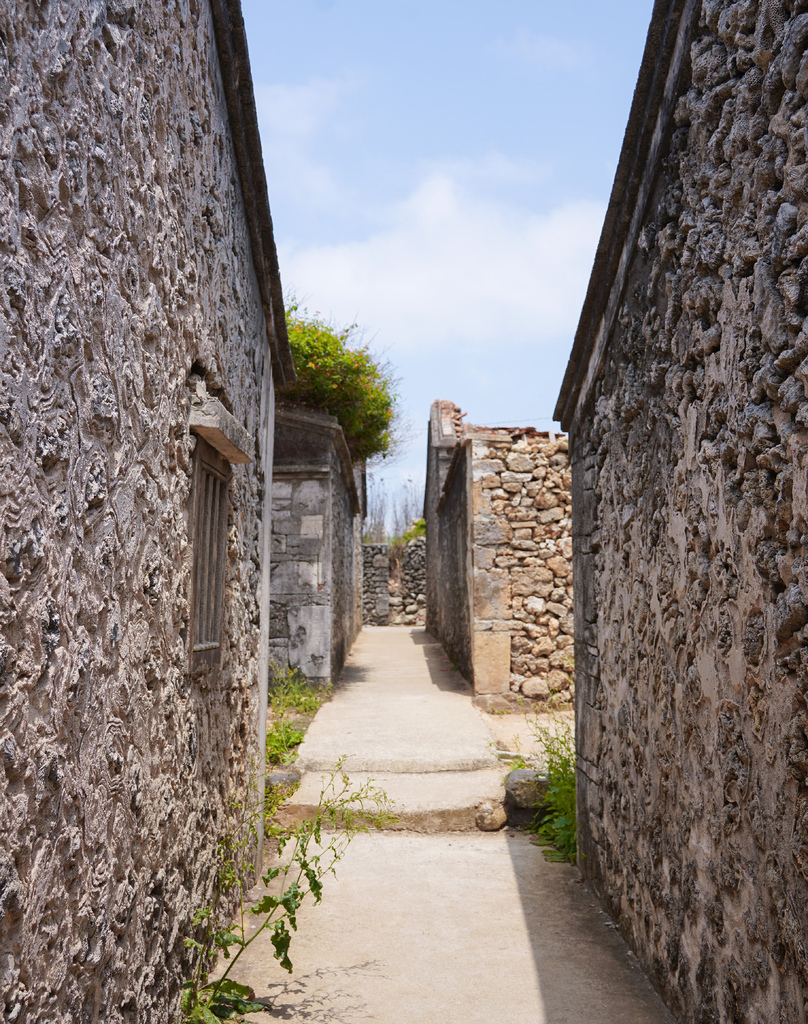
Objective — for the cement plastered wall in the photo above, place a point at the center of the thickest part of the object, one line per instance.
(449, 564)
(441, 439)
(691, 542)
(316, 549)
(124, 259)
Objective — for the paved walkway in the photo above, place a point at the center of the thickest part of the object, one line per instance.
(439, 923)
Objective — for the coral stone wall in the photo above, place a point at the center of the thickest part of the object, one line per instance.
(690, 465)
(522, 555)
(375, 585)
(124, 260)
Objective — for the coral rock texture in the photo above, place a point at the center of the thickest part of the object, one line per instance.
(690, 499)
(124, 264)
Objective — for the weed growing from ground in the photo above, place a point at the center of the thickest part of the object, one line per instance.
(291, 691)
(555, 822)
(283, 739)
(306, 853)
(292, 701)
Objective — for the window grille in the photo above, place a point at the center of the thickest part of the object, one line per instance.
(210, 551)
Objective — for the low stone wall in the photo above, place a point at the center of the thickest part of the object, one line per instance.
(523, 556)
(408, 589)
(375, 585)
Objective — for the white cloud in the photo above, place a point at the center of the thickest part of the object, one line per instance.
(547, 51)
(293, 118)
(448, 265)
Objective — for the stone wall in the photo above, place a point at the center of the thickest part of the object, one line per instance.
(687, 405)
(375, 585)
(126, 263)
(408, 586)
(444, 423)
(523, 556)
(500, 573)
(316, 544)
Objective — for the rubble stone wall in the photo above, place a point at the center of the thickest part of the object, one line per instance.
(124, 261)
(522, 556)
(375, 585)
(408, 588)
(690, 462)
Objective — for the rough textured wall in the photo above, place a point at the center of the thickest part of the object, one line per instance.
(449, 620)
(124, 260)
(444, 421)
(408, 586)
(691, 549)
(522, 556)
(316, 546)
(346, 571)
(375, 583)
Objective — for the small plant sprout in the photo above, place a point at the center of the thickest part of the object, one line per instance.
(306, 853)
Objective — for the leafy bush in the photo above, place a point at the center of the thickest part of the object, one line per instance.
(344, 381)
(416, 529)
(555, 823)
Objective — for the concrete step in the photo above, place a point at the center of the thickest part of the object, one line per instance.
(426, 802)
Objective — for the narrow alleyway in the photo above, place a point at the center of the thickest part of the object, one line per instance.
(436, 922)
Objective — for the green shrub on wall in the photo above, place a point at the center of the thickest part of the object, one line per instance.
(346, 382)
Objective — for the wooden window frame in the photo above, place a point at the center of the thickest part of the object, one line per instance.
(211, 488)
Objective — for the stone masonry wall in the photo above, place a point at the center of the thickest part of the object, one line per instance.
(449, 608)
(408, 590)
(522, 551)
(691, 542)
(375, 585)
(124, 261)
(316, 545)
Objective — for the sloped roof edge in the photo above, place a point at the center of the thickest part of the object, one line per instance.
(666, 52)
(234, 63)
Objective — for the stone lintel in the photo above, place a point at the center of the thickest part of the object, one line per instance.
(221, 430)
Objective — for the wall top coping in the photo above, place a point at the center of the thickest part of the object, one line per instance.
(448, 432)
(316, 421)
(666, 50)
(234, 65)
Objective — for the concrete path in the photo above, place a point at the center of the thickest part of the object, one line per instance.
(452, 927)
(402, 716)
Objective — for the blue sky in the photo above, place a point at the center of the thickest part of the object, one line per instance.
(438, 172)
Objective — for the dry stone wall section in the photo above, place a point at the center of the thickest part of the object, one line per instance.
(523, 556)
(375, 585)
(499, 543)
(408, 586)
(690, 459)
(124, 261)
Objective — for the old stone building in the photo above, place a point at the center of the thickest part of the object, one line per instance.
(317, 512)
(141, 326)
(686, 399)
(499, 574)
